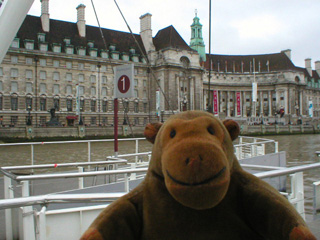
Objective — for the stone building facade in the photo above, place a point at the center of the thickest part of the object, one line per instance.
(50, 63)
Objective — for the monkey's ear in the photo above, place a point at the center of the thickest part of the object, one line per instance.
(151, 131)
(232, 127)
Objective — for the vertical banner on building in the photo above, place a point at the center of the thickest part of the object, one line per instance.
(158, 103)
(78, 101)
(238, 103)
(215, 102)
(254, 91)
(310, 109)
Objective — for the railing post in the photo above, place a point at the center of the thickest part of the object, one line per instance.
(80, 180)
(316, 199)
(32, 155)
(126, 182)
(137, 150)
(8, 194)
(42, 224)
(276, 147)
(89, 151)
(297, 193)
(27, 215)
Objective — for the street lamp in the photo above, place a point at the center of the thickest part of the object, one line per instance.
(80, 119)
(29, 116)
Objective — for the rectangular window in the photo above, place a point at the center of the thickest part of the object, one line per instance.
(136, 121)
(1, 72)
(14, 103)
(144, 83)
(81, 90)
(56, 76)
(56, 89)
(93, 53)
(93, 121)
(15, 43)
(80, 66)
(69, 50)
(43, 104)
(1, 86)
(104, 92)
(29, 45)
(144, 94)
(43, 75)
(56, 104)
(136, 107)
(69, 77)
(14, 87)
(145, 107)
(29, 87)
(69, 65)
(93, 105)
(93, 91)
(41, 37)
(43, 121)
(82, 105)
(28, 103)
(93, 78)
(104, 120)
(104, 55)
(136, 83)
(56, 48)
(14, 120)
(69, 105)
(82, 51)
(81, 77)
(69, 89)
(104, 79)
(136, 95)
(14, 59)
(29, 74)
(56, 63)
(104, 106)
(44, 47)
(43, 62)
(43, 88)
(29, 61)
(93, 67)
(14, 72)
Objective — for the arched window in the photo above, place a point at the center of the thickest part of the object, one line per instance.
(185, 61)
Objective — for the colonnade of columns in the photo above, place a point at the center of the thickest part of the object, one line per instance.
(268, 102)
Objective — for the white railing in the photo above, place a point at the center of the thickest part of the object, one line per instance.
(247, 147)
(251, 147)
(296, 197)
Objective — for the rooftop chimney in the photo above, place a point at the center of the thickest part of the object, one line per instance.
(287, 52)
(146, 32)
(317, 66)
(45, 15)
(81, 22)
(308, 65)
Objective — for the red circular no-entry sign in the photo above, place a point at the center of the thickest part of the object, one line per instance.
(123, 84)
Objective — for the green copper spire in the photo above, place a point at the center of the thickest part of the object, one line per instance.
(197, 42)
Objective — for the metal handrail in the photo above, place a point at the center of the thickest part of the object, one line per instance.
(62, 142)
(59, 198)
(63, 198)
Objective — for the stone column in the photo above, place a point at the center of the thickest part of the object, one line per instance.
(286, 105)
(270, 103)
(261, 103)
(301, 108)
(227, 103)
(244, 105)
(220, 101)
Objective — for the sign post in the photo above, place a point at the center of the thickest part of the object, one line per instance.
(123, 88)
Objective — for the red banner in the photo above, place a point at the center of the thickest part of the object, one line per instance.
(238, 103)
(215, 102)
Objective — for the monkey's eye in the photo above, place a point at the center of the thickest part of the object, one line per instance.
(172, 133)
(210, 130)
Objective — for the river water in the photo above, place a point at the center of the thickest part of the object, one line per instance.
(300, 149)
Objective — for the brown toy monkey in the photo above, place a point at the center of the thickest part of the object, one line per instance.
(196, 189)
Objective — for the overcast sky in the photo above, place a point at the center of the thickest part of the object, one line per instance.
(239, 27)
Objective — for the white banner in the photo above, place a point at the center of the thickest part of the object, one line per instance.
(254, 91)
(310, 109)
